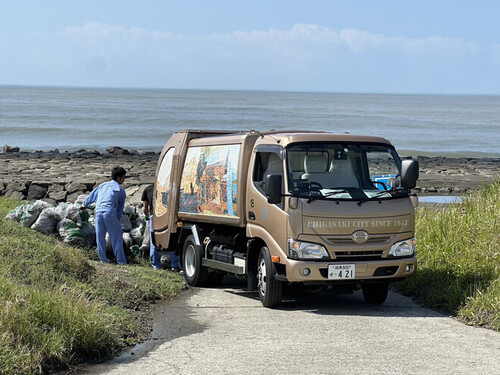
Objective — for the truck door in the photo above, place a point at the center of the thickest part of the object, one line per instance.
(164, 200)
(266, 221)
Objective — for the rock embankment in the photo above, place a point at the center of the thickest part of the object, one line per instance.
(455, 176)
(62, 176)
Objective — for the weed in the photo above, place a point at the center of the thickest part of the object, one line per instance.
(58, 307)
(459, 259)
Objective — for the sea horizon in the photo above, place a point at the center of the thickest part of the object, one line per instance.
(138, 88)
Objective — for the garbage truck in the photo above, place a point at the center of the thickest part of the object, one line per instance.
(309, 208)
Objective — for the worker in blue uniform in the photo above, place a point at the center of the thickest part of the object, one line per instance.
(110, 200)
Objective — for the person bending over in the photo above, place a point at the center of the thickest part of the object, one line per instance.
(110, 200)
(147, 208)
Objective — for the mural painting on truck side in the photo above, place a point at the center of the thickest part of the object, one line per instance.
(209, 180)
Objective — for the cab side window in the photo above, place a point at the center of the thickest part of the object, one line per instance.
(266, 163)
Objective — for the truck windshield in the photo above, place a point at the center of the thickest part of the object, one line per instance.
(344, 171)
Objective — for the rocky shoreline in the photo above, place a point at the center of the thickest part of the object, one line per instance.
(62, 176)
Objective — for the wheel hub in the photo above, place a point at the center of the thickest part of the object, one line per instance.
(262, 277)
(189, 261)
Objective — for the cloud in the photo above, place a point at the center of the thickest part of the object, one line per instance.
(103, 30)
(304, 57)
(307, 36)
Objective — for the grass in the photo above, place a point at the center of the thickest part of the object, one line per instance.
(58, 307)
(459, 259)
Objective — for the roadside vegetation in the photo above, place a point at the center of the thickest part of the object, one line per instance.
(459, 259)
(58, 307)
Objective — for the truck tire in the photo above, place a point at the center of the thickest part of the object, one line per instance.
(375, 294)
(194, 273)
(269, 288)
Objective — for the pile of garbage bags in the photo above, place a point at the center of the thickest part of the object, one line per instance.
(76, 227)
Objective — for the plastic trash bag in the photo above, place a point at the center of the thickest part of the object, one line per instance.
(125, 223)
(16, 213)
(131, 212)
(62, 209)
(75, 214)
(145, 240)
(128, 241)
(88, 232)
(47, 221)
(70, 233)
(32, 212)
(136, 251)
(81, 199)
(137, 235)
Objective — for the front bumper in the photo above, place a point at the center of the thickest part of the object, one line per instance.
(385, 269)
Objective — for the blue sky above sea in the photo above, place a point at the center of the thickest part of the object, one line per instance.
(425, 47)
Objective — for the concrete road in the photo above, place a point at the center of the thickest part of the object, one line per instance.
(225, 330)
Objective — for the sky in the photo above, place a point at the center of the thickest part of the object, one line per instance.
(385, 46)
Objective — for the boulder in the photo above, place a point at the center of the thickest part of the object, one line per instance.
(10, 149)
(36, 192)
(134, 194)
(86, 154)
(15, 195)
(117, 150)
(57, 192)
(75, 186)
(16, 186)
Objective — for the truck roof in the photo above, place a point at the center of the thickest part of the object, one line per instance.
(287, 136)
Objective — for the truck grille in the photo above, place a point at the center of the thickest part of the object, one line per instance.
(346, 240)
(342, 256)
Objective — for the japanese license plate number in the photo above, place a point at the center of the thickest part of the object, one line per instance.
(341, 271)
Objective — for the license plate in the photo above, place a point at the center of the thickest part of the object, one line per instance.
(341, 271)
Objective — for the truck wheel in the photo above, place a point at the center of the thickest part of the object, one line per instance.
(269, 289)
(194, 273)
(375, 294)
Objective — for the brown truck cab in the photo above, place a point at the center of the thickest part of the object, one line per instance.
(279, 207)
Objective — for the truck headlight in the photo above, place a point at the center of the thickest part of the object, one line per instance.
(306, 250)
(404, 248)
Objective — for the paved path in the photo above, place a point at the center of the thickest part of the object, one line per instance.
(225, 330)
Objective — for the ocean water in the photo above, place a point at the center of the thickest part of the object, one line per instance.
(42, 118)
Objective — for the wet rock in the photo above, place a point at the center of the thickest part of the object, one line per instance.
(87, 154)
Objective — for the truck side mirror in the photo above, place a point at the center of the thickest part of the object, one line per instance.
(273, 188)
(409, 173)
